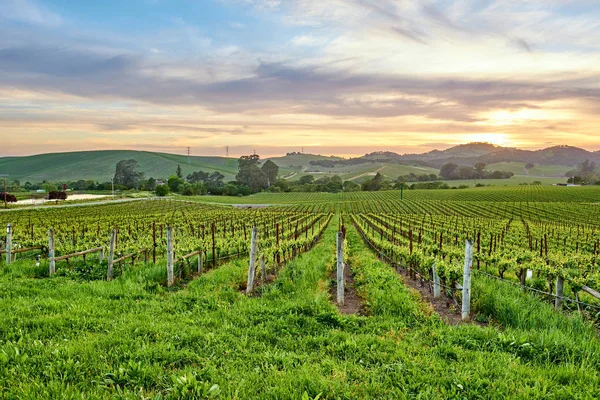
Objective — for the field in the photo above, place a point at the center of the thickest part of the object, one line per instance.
(202, 332)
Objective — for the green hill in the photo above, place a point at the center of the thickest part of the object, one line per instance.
(100, 165)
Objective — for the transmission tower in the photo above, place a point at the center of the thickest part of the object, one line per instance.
(226, 151)
(188, 149)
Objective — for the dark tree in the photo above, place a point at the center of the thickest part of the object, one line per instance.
(127, 174)
(56, 195)
(374, 184)
(306, 179)
(250, 173)
(479, 170)
(271, 170)
(10, 198)
(179, 172)
(449, 171)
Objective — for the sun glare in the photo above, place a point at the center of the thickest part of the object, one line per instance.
(499, 139)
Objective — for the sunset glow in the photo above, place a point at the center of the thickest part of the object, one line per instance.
(341, 77)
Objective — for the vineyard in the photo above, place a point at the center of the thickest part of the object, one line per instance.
(185, 299)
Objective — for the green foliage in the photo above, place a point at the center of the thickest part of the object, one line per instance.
(127, 174)
(174, 182)
(271, 170)
(162, 190)
(250, 174)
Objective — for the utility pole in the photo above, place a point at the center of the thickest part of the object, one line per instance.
(112, 183)
(5, 194)
(189, 162)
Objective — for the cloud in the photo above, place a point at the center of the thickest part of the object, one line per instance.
(28, 11)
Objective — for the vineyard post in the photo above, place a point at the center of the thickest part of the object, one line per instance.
(214, 257)
(263, 267)
(340, 268)
(560, 282)
(436, 283)
(102, 254)
(252, 267)
(154, 242)
(170, 256)
(51, 251)
(466, 291)
(8, 243)
(111, 254)
(200, 261)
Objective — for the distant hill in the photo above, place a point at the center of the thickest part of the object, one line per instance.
(100, 165)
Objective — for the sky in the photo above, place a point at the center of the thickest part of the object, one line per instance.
(343, 77)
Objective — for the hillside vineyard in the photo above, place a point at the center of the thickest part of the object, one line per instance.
(159, 298)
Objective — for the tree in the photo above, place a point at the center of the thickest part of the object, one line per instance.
(162, 190)
(479, 170)
(197, 176)
(174, 182)
(127, 174)
(10, 198)
(250, 174)
(192, 189)
(374, 184)
(449, 171)
(306, 179)
(151, 184)
(529, 166)
(179, 172)
(467, 173)
(283, 185)
(350, 186)
(56, 195)
(271, 170)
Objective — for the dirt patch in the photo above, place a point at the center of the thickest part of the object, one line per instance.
(352, 302)
(444, 306)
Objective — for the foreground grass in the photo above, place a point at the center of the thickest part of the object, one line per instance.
(131, 338)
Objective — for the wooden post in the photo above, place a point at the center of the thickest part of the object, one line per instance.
(200, 261)
(51, 251)
(252, 267)
(466, 291)
(111, 254)
(8, 243)
(214, 257)
(170, 279)
(102, 254)
(560, 283)
(154, 242)
(340, 268)
(263, 267)
(437, 292)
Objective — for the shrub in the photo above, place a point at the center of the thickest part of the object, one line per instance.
(56, 195)
(162, 190)
(10, 198)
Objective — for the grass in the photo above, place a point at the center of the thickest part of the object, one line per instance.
(72, 337)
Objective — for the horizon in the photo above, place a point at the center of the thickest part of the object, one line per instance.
(344, 78)
(308, 153)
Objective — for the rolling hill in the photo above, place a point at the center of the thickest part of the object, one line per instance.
(100, 165)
